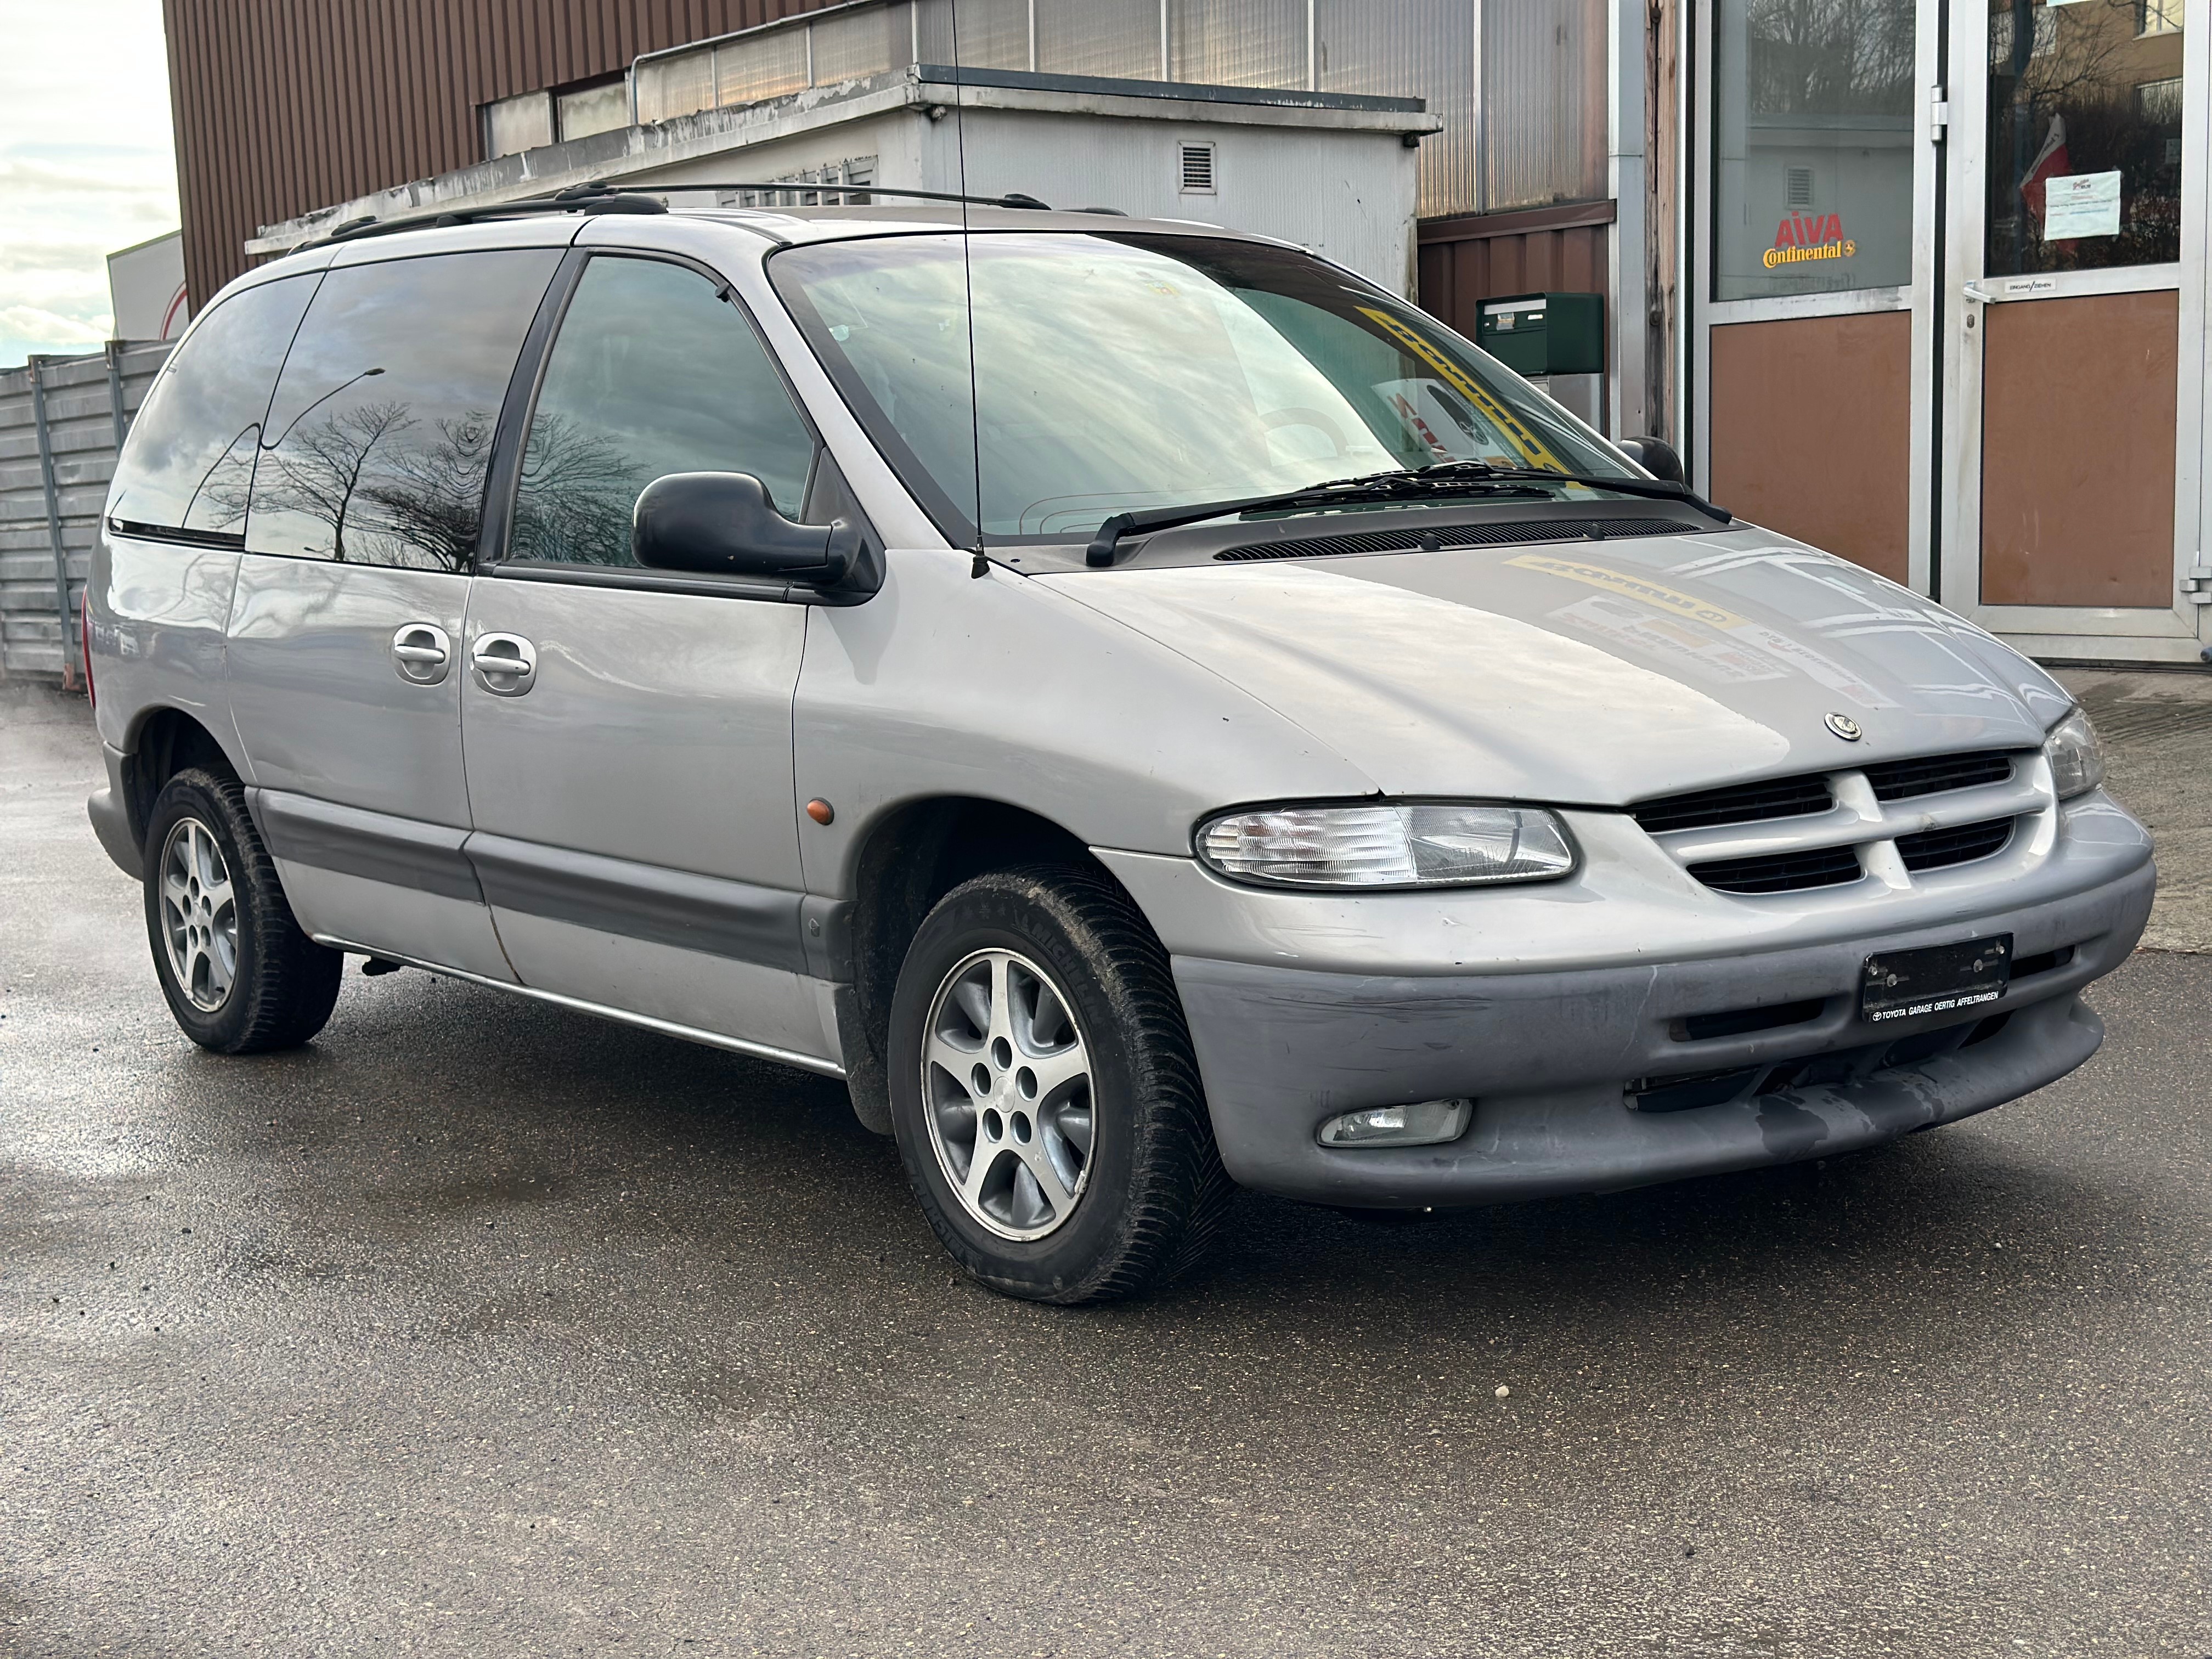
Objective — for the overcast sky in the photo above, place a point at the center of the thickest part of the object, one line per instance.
(86, 162)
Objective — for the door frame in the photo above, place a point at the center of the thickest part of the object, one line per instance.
(2177, 633)
(1917, 297)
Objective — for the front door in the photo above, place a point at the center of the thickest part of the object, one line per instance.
(629, 733)
(2077, 238)
(1813, 331)
(346, 622)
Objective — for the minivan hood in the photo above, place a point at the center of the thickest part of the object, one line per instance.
(1596, 672)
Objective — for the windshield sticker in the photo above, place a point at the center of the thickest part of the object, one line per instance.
(1764, 644)
(1523, 438)
(1697, 648)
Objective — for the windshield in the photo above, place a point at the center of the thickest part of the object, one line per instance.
(1118, 372)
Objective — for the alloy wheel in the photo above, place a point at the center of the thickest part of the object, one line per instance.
(1006, 1087)
(199, 915)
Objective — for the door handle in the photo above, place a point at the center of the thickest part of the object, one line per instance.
(506, 664)
(421, 652)
(1978, 294)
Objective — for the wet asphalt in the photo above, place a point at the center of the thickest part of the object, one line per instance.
(478, 1327)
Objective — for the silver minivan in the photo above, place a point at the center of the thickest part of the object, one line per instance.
(1147, 708)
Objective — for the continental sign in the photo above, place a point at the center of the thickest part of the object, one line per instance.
(1805, 236)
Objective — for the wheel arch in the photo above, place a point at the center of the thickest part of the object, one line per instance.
(906, 861)
(162, 741)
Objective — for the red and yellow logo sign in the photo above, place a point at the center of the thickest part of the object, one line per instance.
(1804, 236)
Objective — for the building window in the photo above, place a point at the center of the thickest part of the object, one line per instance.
(1813, 112)
(514, 124)
(2158, 16)
(587, 110)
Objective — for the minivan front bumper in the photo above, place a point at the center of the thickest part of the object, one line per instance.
(1554, 1059)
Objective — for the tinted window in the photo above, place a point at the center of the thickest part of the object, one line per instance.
(189, 459)
(653, 373)
(380, 435)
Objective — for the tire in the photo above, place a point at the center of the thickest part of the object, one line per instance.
(1092, 1191)
(239, 975)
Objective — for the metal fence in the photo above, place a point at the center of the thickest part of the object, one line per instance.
(61, 420)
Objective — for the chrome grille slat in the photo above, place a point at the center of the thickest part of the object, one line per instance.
(1829, 830)
(1840, 826)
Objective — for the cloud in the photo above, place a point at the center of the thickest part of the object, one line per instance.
(30, 323)
(87, 165)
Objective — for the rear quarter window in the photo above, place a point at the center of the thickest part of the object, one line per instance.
(188, 464)
(379, 439)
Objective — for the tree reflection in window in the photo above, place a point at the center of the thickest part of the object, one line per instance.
(655, 371)
(2090, 87)
(381, 428)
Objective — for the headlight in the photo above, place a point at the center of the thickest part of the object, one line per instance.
(2077, 759)
(1415, 844)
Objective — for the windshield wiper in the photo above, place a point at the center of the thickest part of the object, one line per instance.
(1374, 486)
(1664, 489)
(1438, 479)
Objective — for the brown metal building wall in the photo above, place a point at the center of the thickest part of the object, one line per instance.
(1544, 250)
(285, 106)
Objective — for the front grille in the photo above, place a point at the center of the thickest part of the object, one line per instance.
(1932, 775)
(1745, 803)
(1510, 534)
(1938, 849)
(1781, 872)
(1838, 1068)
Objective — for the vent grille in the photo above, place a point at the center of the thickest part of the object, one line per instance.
(1749, 803)
(1195, 164)
(1903, 780)
(1939, 849)
(1801, 187)
(1509, 534)
(1781, 872)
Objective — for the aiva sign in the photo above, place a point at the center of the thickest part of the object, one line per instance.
(1805, 236)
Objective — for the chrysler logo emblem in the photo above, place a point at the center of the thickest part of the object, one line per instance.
(1845, 728)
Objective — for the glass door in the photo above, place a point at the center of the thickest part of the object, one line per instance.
(1813, 343)
(2075, 331)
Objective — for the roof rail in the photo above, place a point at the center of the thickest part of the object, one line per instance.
(1010, 199)
(600, 197)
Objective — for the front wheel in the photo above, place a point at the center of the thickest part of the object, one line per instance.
(1044, 1091)
(239, 975)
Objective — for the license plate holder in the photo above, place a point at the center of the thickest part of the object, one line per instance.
(1935, 979)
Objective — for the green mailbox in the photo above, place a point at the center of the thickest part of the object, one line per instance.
(1543, 334)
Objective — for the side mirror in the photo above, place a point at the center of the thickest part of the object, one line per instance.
(723, 523)
(1656, 456)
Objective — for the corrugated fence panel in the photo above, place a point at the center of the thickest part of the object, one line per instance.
(81, 440)
(282, 106)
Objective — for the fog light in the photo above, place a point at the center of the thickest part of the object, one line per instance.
(1422, 1124)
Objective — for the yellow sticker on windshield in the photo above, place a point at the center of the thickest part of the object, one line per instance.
(1517, 431)
(1619, 581)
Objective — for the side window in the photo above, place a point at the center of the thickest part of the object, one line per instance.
(189, 459)
(653, 373)
(380, 436)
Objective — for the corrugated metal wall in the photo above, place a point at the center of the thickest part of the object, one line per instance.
(82, 429)
(1544, 250)
(285, 106)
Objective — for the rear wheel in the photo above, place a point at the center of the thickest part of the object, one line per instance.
(239, 975)
(1044, 1092)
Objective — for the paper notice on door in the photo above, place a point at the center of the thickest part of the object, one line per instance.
(2081, 205)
